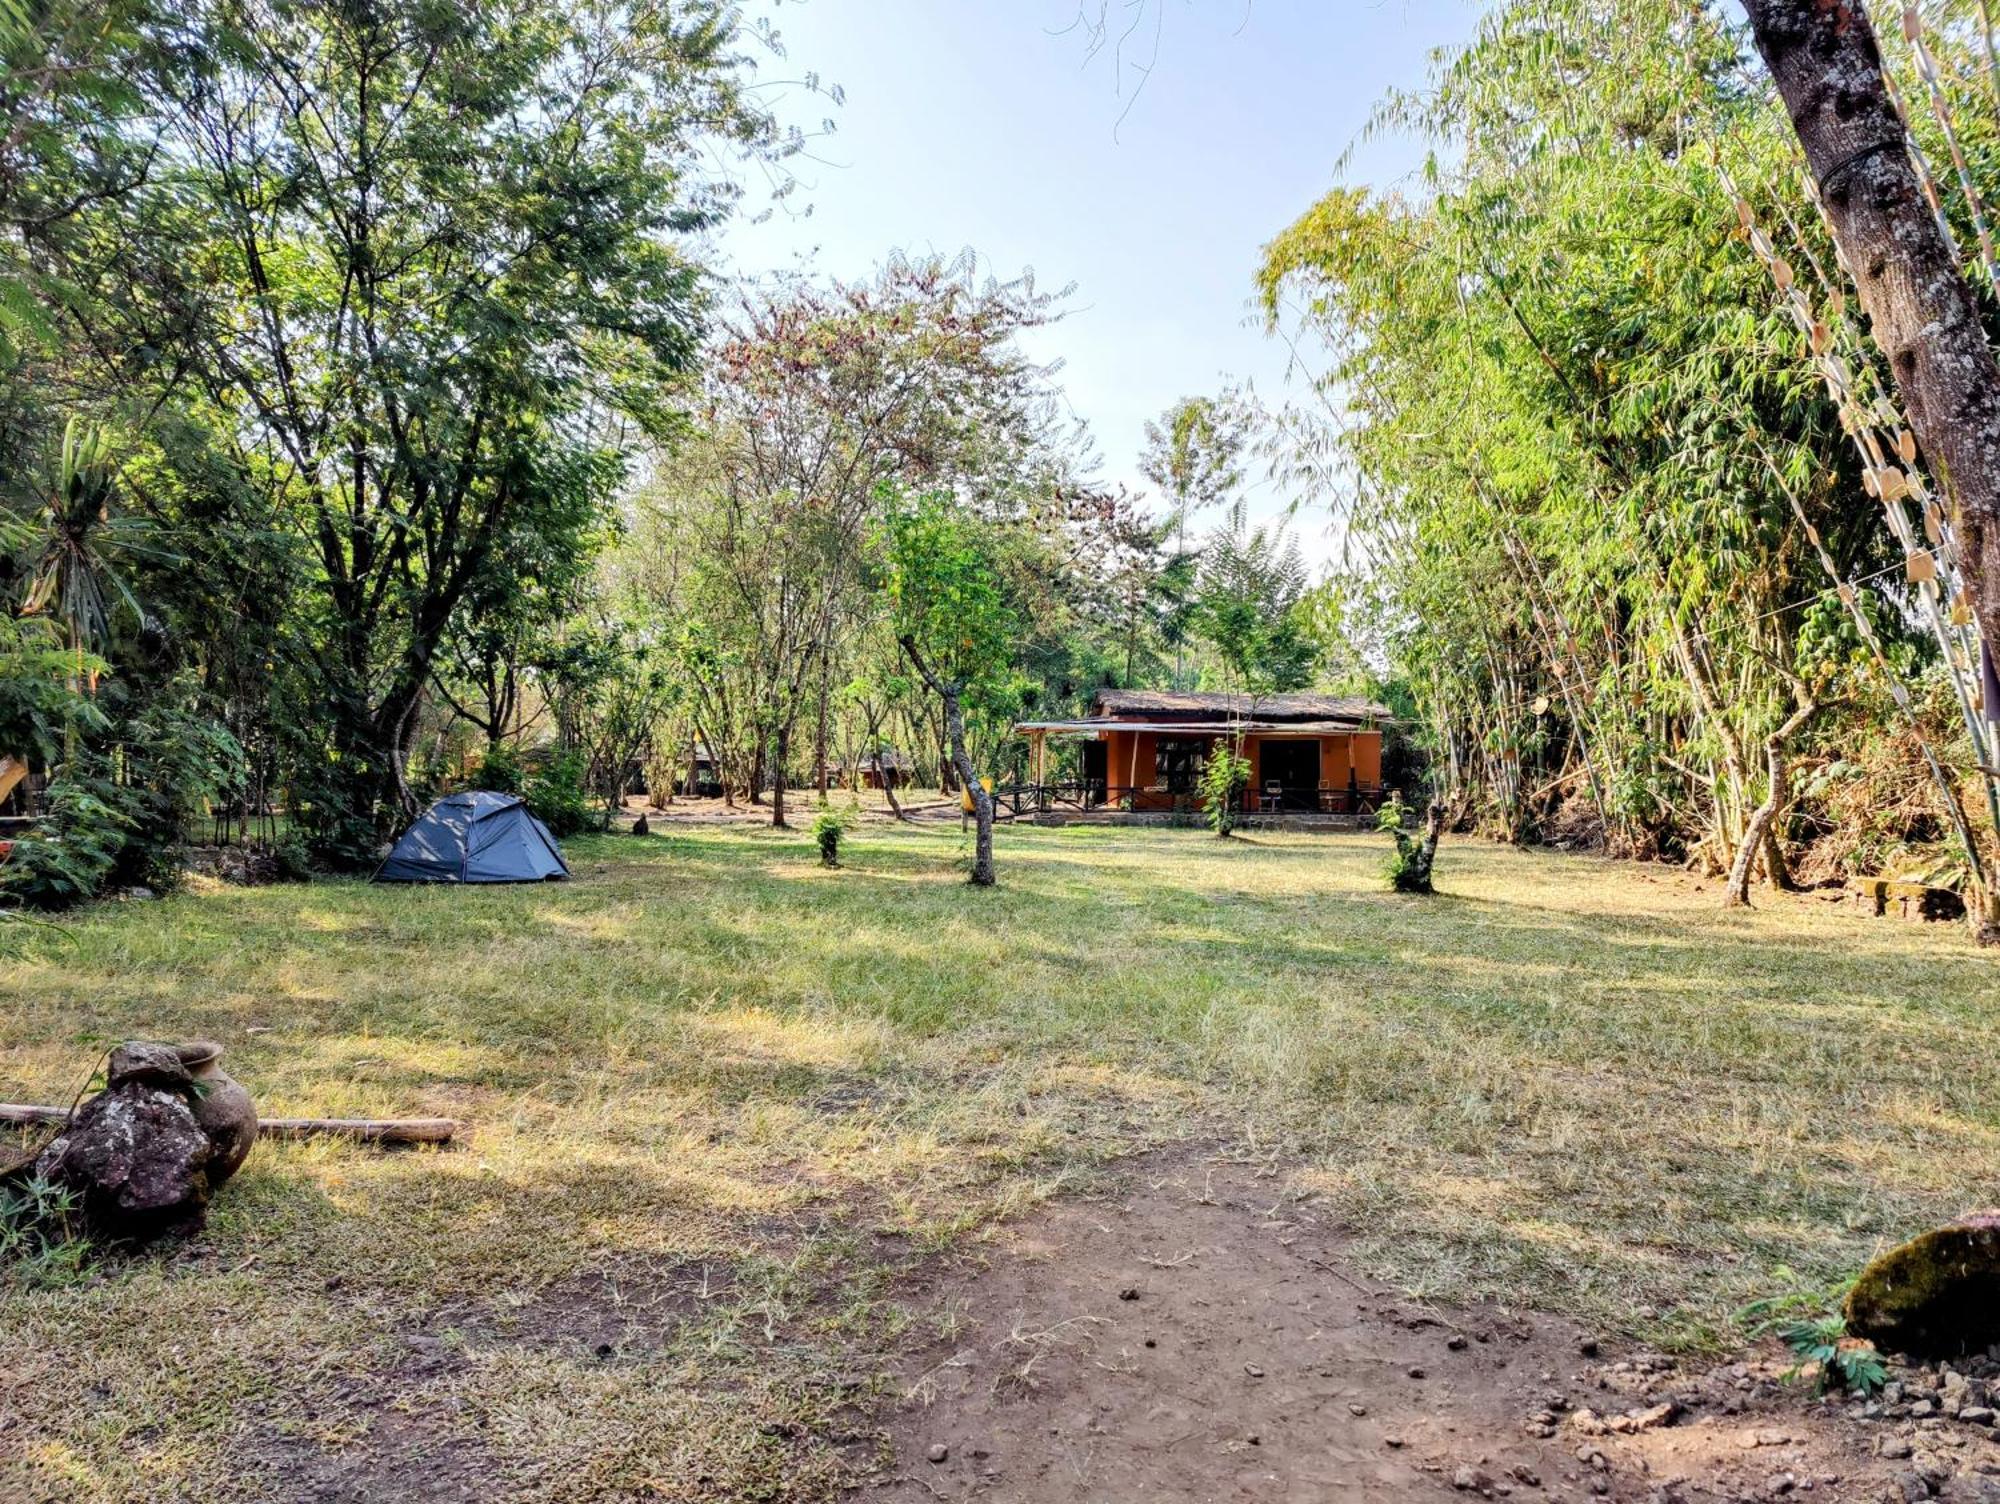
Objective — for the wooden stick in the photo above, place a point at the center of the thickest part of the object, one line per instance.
(366, 1130)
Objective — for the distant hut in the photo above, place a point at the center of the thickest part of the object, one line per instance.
(701, 776)
(889, 762)
(1144, 750)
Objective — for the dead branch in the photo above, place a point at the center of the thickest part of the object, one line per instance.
(363, 1130)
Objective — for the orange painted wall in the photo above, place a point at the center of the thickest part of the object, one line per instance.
(1362, 751)
(1334, 753)
(1131, 763)
(1367, 758)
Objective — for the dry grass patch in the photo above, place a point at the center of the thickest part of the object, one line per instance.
(724, 1103)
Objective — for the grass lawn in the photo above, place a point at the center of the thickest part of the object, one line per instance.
(725, 1104)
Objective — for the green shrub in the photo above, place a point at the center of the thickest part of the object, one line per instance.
(121, 803)
(176, 761)
(559, 797)
(68, 857)
(827, 831)
(339, 835)
(292, 855)
(1224, 777)
(499, 770)
(1409, 865)
(1807, 1319)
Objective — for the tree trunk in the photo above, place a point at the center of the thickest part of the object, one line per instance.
(784, 751)
(1736, 894)
(884, 772)
(1420, 856)
(1921, 311)
(948, 691)
(1777, 871)
(1427, 851)
(820, 741)
(968, 779)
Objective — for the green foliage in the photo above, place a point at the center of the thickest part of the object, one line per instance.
(1247, 604)
(175, 760)
(828, 828)
(1577, 433)
(42, 1245)
(1806, 1318)
(948, 596)
(70, 854)
(558, 795)
(77, 537)
(763, 552)
(430, 343)
(1840, 1362)
(499, 770)
(1224, 776)
(43, 707)
(1194, 454)
(293, 857)
(1409, 866)
(339, 832)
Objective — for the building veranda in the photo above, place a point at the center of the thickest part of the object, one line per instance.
(1142, 753)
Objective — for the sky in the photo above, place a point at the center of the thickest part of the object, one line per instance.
(988, 124)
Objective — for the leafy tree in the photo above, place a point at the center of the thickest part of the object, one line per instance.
(954, 624)
(72, 573)
(1149, 584)
(1225, 774)
(1193, 454)
(74, 76)
(1576, 440)
(821, 396)
(1247, 599)
(401, 261)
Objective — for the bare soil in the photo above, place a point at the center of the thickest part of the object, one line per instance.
(1198, 1335)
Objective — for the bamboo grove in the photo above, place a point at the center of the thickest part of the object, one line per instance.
(1620, 467)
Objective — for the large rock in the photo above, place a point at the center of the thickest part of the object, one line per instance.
(148, 1065)
(1935, 1296)
(137, 1160)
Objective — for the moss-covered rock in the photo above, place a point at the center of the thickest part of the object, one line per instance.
(1936, 1295)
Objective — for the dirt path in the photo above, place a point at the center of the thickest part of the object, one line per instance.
(1197, 1337)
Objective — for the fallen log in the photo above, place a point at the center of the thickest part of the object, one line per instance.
(364, 1130)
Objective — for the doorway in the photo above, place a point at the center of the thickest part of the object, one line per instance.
(1293, 767)
(1096, 773)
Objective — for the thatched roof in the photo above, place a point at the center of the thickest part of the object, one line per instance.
(1172, 703)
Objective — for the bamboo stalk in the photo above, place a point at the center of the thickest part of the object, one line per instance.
(365, 1130)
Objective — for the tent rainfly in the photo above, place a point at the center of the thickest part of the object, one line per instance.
(474, 838)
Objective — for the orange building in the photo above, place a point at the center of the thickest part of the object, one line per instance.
(1144, 750)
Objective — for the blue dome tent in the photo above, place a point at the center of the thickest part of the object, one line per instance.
(474, 838)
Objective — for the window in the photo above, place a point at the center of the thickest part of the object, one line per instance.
(1177, 763)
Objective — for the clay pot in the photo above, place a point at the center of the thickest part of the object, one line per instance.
(222, 1107)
